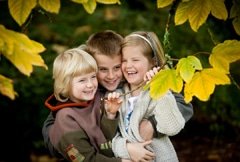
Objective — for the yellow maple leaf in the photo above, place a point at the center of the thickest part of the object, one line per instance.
(187, 66)
(163, 3)
(218, 9)
(203, 84)
(225, 53)
(21, 51)
(163, 81)
(90, 6)
(182, 12)
(21, 9)
(50, 6)
(197, 12)
(6, 87)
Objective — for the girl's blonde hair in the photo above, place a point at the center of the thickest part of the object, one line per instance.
(151, 46)
(67, 65)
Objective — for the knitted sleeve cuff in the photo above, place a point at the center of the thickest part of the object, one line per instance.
(119, 146)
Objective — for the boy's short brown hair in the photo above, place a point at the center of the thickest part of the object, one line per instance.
(106, 42)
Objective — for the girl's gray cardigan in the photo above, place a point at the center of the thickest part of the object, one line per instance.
(169, 122)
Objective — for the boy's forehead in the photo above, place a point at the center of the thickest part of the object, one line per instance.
(102, 57)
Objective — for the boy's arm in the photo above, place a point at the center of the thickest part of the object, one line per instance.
(45, 133)
(186, 110)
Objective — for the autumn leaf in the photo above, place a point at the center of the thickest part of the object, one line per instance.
(21, 9)
(163, 81)
(163, 3)
(109, 1)
(235, 15)
(80, 1)
(21, 51)
(187, 66)
(236, 25)
(203, 84)
(225, 53)
(6, 87)
(182, 12)
(218, 9)
(52, 6)
(197, 12)
(90, 6)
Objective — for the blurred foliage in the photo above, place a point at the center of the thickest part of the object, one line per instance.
(21, 120)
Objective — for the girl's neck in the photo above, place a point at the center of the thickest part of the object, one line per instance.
(135, 91)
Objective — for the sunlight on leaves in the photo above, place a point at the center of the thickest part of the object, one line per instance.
(21, 9)
(225, 53)
(52, 6)
(163, 81)
(203, 84)
(163, 3)
(6, 87)
(187, 66)
(21, 51)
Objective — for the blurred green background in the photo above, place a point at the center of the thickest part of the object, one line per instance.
(211, 135)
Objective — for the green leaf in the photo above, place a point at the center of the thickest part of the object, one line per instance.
(90, 6)
(52, 6)
(187, 66)
(20, 9)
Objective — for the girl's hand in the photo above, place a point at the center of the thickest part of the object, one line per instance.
(112, 104)
(139, 153)
(150, 74)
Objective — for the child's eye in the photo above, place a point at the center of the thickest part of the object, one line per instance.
(103, 69)
(94, 76)
(117, 67)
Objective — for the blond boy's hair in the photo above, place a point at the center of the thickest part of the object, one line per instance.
(67, 65)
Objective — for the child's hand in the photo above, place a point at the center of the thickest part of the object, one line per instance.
(150, 74)
(138, 152)
(112, 104)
